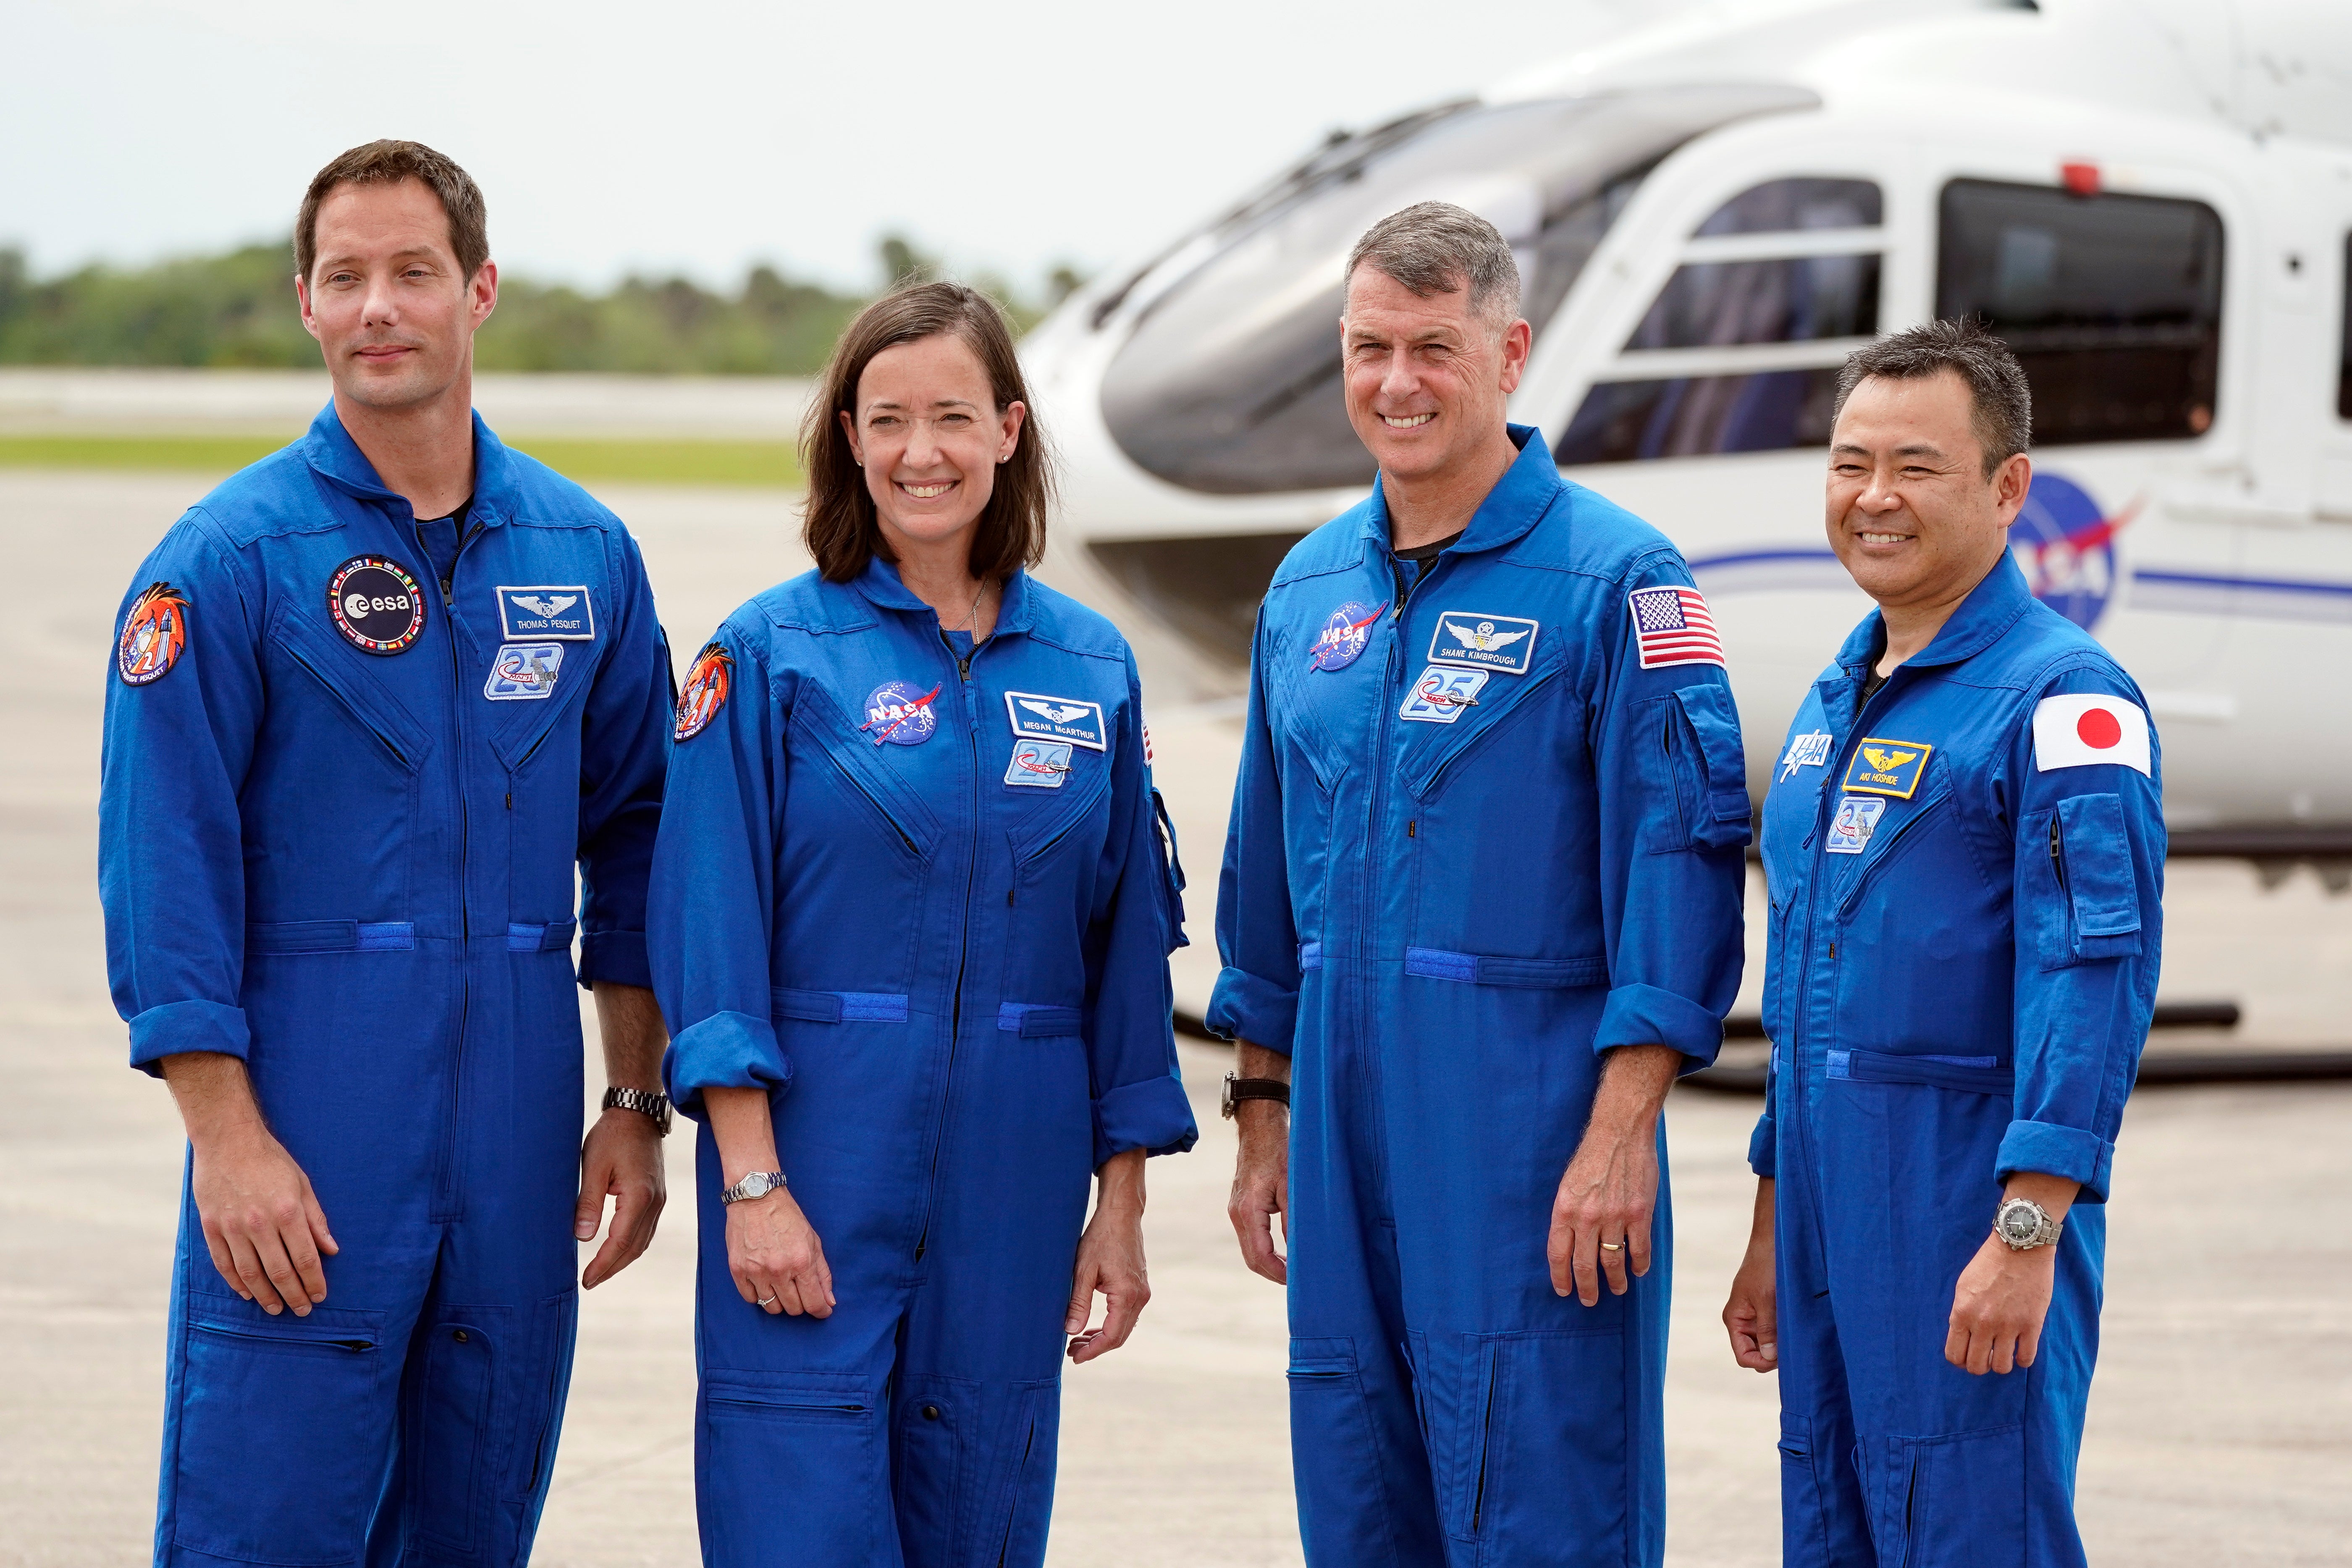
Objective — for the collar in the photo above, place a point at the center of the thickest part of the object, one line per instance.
(1518, 500)
(337, 458)
(1993, 606)
(885, 589)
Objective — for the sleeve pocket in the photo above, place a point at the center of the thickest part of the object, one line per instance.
(1711, 775)
(1171, 873)
(2093, 852)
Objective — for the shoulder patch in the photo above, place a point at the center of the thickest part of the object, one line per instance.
(705, 691)
(155, 634)
(2074, 732)
(1672, 626)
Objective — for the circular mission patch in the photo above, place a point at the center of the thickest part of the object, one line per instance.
(376, 605)
(153, 633)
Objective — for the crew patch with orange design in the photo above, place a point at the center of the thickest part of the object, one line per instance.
(155, 634)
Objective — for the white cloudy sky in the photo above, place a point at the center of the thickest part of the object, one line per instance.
(701, 137)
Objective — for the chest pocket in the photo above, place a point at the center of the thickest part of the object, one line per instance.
(1434, 759)
(1066, 825)
(518, 738)
(1901, 828)
(353, 690)
(872, 793)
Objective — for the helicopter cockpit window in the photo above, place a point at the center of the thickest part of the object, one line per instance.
(1790, 262)
(1230, 380)
(2113, 303)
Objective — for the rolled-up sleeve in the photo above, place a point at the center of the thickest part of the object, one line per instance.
(1256, 995)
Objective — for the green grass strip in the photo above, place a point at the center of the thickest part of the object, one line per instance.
(588, 459)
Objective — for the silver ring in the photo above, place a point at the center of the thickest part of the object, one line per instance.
(1612, 1247)
(767, 1301)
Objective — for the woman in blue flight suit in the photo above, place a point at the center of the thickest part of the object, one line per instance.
(910, 923)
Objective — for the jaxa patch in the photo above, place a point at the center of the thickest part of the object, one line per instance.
(561, 614)
(705, 691)
(155, 634)
(899, 715)
(1038, 765)
(1888, 767)
(1442, 695)
(376, 605)
(1504, 644)
(1067, 719)
(524, 672)
(1345, 635)
(1856, 820)
(1809, 751)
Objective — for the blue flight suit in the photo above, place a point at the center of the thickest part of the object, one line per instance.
(341, 808)
(1475, 844)
(915, 892)
(1965, 929)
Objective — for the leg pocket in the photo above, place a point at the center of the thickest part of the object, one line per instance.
(1954, 1502)
(1804, 1516)
(1031, 1438)
(455, 1374)
(790, 1471)
(930, 1416)
(1551, 1484)
(281, 1444)
(1335, 1459)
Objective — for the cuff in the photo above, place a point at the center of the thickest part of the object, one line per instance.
(1646, 1015)
(1245, 1007)
(2054, 1151)
(618, 956)
(178, 1027)
(1154, 1116)
(725, 1050)
(1761, 1146)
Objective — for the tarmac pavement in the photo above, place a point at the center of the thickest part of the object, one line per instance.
(2220, 1427)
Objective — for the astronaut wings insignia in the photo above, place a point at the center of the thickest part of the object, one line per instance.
(1886, 761)
(566, 612)
(1474, 639)
(549, 603)
(1072, 721)
(1882, 767)
(1057, 712)
(1483, 636)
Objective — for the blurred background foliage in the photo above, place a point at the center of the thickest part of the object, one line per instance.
(238, 310)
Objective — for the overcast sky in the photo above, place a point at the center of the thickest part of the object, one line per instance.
(703, 137)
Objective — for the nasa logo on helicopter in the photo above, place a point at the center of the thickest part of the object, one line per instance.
(2066, 545)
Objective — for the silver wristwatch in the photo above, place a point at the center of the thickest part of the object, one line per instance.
(644, 1102)
(2023, 1225)
(758, 1185)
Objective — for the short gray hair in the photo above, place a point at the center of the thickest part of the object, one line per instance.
(1436, 247)
(2000, 403)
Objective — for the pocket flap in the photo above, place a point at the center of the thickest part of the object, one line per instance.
(2099, 858)
(340, 667)
(1719, 765)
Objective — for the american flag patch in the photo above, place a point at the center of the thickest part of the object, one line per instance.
(1671, 626)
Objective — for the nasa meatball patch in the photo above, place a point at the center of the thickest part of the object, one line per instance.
(562, 614)
(376, 605)
(153, 634)
(2071, 732)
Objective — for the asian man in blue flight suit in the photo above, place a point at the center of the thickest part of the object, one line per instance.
(374, 700)
(1481, 904)
(1964, 848)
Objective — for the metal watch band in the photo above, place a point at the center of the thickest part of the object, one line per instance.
(757, 1184)
(2023, 1225)
(1238, 1089)
(642, 1102)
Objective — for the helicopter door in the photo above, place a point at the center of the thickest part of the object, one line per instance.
(2332, 498)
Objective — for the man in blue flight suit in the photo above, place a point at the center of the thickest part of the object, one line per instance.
(374, 699)
(1481, 904)
(1964, 848)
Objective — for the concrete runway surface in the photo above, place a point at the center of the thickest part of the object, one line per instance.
(2222, 1422)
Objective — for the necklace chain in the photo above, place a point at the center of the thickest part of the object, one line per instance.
(972, 616)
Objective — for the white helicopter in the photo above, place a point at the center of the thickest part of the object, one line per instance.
(2150, 199)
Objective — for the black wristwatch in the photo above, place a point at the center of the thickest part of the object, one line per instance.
(1238, 1089)
(644, 1104)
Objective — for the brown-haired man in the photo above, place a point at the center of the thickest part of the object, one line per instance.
(377, 697)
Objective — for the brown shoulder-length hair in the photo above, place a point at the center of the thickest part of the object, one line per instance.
(839, 526)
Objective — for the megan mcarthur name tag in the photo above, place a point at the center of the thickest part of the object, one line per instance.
(1070, 719)
(565, 614)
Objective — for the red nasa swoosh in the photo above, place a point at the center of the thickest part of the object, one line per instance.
(917, 706)
(2090, 536)
(1329, 638)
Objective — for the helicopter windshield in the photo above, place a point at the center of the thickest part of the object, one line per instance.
(1230, 380)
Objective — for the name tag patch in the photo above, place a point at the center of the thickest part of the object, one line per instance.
(1069, 719)
(1856, 820)
(1811, 751)
(1506, 643)
(1888, 767)
(564, 614)
(1038, 765)
(1442, 695)
(524, 672)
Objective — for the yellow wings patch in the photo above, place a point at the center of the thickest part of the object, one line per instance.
(1886, 761)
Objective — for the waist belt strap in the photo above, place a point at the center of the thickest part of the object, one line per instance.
(1526, 973)
(331, 936)
(553, 936)
(838, 1006)
(1038, 1019)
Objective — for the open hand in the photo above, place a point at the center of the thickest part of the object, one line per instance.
(620, 1158)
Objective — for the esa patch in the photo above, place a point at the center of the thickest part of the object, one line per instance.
(155, 633)
(1067, 719)
(1345, 635)
(1888, 767)
(705, 691)
(376, 605)
(524, 672)
(899, 715)
(1504, 644)
(560, 615)
(2074, 732)
(1038, 765)
(1808, 751)
(1856, 820)
(1442, 695)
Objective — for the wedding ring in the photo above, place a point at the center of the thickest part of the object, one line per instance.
(1612, 1247)
(767, 1301)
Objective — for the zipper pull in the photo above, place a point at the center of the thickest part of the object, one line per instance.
(963, 669)
(2057, 854)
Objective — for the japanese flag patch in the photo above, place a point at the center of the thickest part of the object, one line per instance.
(2071, 732)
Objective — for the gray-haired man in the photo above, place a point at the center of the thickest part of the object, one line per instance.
(1481, 904)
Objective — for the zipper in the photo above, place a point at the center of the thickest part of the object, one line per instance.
(1013, 1513)
(354, 1346)
(1910, 1508)
(850, 774)
(1485, 1440)
(465, 847)
(964, 942)
(2058, 852)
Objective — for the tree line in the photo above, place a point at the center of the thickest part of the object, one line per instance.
(237, 309)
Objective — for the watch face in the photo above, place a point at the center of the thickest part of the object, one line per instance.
(2019, 1223)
